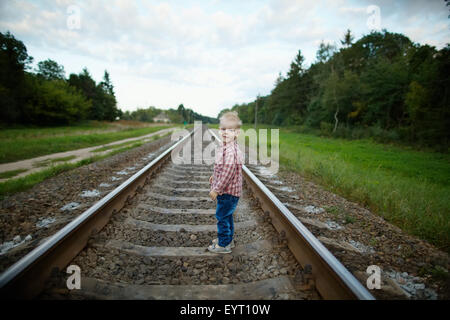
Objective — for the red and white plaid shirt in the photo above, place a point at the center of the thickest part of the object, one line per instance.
(227, 176)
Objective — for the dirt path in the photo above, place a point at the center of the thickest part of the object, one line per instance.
(80, 154)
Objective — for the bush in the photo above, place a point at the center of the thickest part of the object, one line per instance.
(292, 119)
(277, 120)
(55, 102)
(343, 131)
(326, 128)
(393, 135)
(359, 133)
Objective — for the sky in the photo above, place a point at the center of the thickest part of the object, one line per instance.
(210, 54)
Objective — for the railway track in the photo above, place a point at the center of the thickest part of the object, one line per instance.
(147, 239)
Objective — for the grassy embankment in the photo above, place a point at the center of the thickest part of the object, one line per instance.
(408, 188)
(23, 143)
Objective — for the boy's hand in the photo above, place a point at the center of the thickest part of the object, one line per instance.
(213, 195)
(210, 179)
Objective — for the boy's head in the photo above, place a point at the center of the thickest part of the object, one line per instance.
(229, 126)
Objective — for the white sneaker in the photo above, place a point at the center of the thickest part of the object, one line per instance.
(218, 249)
(216, 241)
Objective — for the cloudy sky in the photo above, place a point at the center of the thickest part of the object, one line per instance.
(206, 54)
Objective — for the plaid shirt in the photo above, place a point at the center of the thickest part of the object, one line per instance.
(227, 176)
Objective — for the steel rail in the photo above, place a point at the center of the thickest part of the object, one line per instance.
(27, 277)
(332, 279)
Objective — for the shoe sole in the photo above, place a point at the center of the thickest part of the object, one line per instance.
(223, 252)
(231, 247)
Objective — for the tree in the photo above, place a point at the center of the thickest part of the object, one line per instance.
(106, 84)
(385, 87)
(93, 92)
(279, 79)
(50, 70)
(83, 82)
(383, 44)
(182, 112)
(14, 60)
(297, 66)
(325, 52)
(416, 102)
(105, 96)
(348, 39)
(55, 102)
(14, 55)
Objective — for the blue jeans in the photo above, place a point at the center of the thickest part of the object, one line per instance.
(226, 204)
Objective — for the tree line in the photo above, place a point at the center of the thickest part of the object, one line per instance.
(44, 96)
(179, 115)
(383, 85)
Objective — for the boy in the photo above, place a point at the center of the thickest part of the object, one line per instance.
(226, 182)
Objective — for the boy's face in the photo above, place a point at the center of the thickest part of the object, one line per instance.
(228, 131)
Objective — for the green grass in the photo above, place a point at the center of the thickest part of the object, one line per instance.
(156, 137)
(10, 174)
(437, 273)
(32, 132)
(153, 138)
(115, 146)
(47, 162)
(21, 184)
(26, 143)
(406, 187)
(349, 219)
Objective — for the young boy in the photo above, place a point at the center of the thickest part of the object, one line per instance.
(226, 182)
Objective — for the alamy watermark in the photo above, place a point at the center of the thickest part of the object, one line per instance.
(374, 280)
(374, 19)
(73, 21)
(257, 147)
(74, 280)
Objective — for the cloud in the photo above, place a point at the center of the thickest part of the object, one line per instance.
(207, 55)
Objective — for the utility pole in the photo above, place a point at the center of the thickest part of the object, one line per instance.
(256, 110)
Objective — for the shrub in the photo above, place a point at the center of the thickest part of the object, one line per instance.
(326, 128)
(55, 102)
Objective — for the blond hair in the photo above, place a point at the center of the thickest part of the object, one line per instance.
(231, 116)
